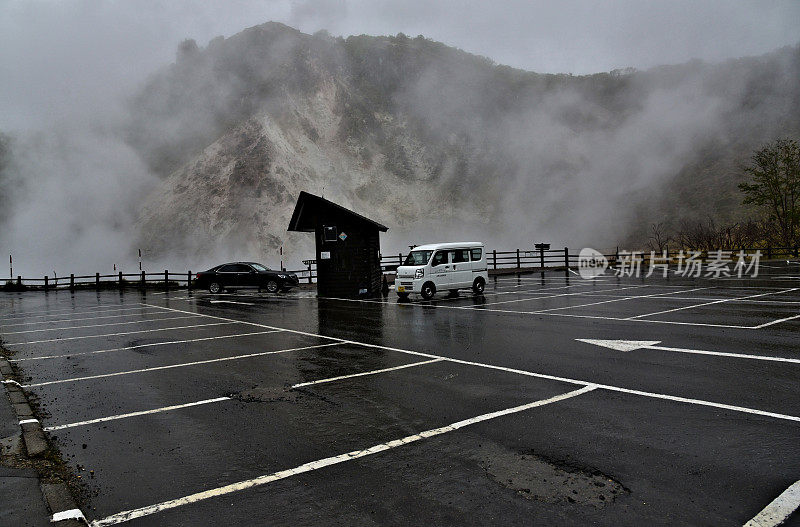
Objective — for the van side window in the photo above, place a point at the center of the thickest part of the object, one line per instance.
(476, 254)
(440, 258)
(460, 255)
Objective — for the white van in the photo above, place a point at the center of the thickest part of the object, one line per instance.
(442, 267)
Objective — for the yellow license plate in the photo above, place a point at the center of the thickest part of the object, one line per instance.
(401, 289)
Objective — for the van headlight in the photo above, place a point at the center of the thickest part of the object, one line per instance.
(419, 273)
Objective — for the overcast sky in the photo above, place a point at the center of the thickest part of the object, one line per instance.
(62, 58)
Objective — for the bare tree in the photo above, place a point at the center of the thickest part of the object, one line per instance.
(659, 239)
(775, 187)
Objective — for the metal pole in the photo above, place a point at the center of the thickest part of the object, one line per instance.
(494, 257)
(45, 283)
(143, 280)
(97, 281)
(189, 280)
(566, 262)
(519, 265)
(166, 280)
(120, 280)
(72, 282)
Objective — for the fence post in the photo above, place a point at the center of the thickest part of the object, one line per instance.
(143, 280)
(309, 273)
(519, 264)
(97, 281)
(494, 258)
(45, 283)
(120, 280)
(189, 280)
(566, 262)
(72, 282)
(541, 258)
(166, 280)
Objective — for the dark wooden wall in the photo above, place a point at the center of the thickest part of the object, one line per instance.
(354, 263)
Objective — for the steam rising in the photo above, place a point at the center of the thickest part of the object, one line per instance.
(433, 142)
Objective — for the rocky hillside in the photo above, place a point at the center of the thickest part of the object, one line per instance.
(437, 143)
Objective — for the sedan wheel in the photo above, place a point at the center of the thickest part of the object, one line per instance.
(272, 286)
(214, 288)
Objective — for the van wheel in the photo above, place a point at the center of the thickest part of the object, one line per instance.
(403, 296)
(428, 290)
(478, 285)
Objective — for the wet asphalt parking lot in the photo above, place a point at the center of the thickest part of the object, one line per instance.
(248, 409)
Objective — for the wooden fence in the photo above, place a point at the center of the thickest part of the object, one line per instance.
(499, 262)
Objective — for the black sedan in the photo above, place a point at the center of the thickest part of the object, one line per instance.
(239, 275)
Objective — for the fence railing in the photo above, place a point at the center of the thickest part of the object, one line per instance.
(498, 262)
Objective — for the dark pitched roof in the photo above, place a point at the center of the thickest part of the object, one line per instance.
(309, 206)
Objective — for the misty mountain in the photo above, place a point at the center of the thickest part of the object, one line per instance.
(440, 144)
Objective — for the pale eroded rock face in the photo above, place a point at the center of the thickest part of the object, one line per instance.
(438, 144)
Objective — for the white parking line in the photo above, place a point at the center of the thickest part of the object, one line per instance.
(696, 298)
(478, 307)
(553, 296)
(143, 321)
(322, 463)
(779, 509)
(71, 514)
(620, 299)
(181, 365)
(220, 399)
(64, 355)
(492, 293)
(124, 333)
(162, 312)
(675, 398)
(776, 321)
(135, 414)
(73, 312)
(711, 303)
(373, 372)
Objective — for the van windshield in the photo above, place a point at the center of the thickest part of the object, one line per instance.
(418, 257)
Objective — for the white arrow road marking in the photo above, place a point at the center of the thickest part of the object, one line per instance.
(633, 345)
(779, 509)
(230, 302)
(125, 516)
(622, 345)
